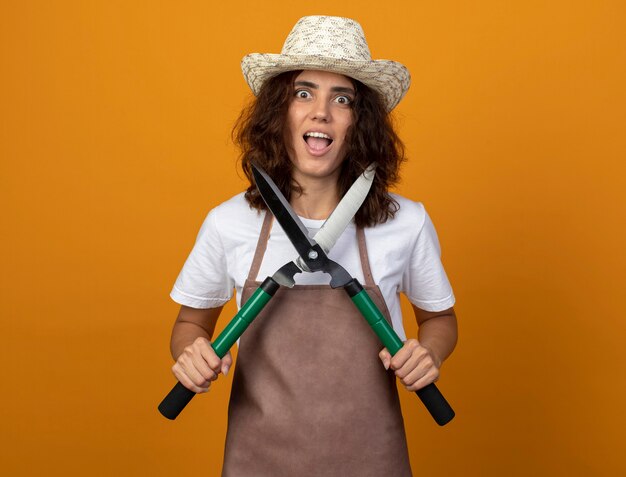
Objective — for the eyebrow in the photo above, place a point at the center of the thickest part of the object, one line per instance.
(334, 89)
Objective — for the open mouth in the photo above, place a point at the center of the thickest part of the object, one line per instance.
(317, 141)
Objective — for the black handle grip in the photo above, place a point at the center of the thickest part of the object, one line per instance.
(175, 401)
(436, 404)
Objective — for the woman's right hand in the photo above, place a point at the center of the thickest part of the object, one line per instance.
(198, 365)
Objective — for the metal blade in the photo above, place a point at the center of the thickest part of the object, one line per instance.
(296, 231)
(334, 226)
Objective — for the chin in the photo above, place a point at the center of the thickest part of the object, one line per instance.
(317, 167)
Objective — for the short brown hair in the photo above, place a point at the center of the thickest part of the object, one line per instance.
(260, 133)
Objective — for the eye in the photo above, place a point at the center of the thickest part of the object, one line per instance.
(302, 94)
(347, 100)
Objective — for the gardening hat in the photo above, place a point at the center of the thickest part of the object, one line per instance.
(332, 44)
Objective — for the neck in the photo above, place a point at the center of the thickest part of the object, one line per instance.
(318, 199)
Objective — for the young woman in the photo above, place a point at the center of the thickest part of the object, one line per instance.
(313, 393)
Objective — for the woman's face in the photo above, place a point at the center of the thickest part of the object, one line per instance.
(318, 119)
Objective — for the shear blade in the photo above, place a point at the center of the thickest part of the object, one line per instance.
(294, 229)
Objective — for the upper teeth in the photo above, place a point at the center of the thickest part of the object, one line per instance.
(318, 134)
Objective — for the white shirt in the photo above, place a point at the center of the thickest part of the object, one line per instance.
(404, 255)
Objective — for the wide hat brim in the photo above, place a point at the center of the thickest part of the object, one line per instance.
(390, 78)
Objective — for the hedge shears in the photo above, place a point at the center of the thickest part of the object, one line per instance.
(312, 257)
(326, 237)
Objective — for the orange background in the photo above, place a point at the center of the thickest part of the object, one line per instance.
(114, 143)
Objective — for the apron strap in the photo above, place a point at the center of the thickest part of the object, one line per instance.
(365, 262)
(262, 246)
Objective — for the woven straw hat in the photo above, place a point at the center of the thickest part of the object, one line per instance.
(332, 44)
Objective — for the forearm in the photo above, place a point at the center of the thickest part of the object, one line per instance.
(438, 333)
(191, 324)
(183, 335)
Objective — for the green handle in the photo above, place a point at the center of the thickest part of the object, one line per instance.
(179, 396)
(377, 321)
(240, 322)
(430, 395)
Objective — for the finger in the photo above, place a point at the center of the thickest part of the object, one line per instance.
(196, 369)
(412, 376)
(204, 348)
(400, 358)
(409, 366)
(430, 377)
(422, 373)
(385, 357)
(202, 367)
(419, 359)
(193, 364)
(191, 369)
(186, 381)
(227, 362)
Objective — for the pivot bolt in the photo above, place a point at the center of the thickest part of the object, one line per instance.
(312, 254)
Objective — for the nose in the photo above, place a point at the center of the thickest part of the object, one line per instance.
(320, 110)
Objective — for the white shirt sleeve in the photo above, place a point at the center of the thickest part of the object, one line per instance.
(204, 281)
(425, 282)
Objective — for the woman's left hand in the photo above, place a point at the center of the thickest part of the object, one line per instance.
(414, 364)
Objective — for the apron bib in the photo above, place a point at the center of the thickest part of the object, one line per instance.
(310, 396)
